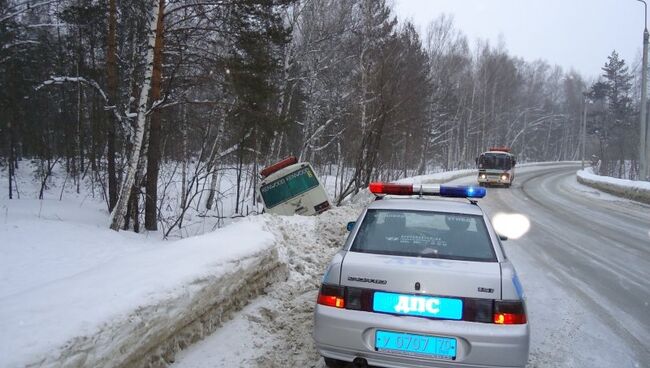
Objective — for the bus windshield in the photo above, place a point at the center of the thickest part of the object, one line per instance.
(289, 186)
(495, 161)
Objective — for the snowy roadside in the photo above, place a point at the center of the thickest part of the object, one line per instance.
(73, 293)
(443, 177)
(636, 190)
(275, 329)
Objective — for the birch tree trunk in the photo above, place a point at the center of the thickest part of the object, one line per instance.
(184, 158)
(153, 155)
(10, 161)
(117, 215)
(212, 165)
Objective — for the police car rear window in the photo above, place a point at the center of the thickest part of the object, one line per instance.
(424, 234)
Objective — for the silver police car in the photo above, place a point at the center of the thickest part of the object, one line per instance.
(422, 283)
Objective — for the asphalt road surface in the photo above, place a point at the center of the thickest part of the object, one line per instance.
(585, 265)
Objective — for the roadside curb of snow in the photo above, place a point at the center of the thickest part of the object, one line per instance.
(460, 174)
(549, 163)
(152, 335)
(447, 176)
(284, 321)
(635, 190)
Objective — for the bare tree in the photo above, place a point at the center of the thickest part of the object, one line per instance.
(118, 213)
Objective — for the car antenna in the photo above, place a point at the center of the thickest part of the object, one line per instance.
(420, 193)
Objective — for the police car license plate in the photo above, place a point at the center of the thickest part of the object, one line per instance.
(411, 344)
(417, 305)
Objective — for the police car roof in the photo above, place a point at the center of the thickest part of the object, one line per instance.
(433, 204)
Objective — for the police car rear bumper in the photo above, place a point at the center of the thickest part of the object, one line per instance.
(346, 334)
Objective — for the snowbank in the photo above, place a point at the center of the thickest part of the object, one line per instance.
(436, 178)
(75, 294)
(636, 190)
(275, 329)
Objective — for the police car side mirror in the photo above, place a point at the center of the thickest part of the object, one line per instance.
(351, 225)
(503, 237)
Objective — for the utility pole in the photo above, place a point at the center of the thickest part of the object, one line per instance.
(644, 152)
(584, 128)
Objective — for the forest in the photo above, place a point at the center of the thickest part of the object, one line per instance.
(123, 94)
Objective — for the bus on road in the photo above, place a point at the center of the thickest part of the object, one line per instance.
(496, 167)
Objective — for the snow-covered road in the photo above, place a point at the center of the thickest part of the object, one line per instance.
(585, 265)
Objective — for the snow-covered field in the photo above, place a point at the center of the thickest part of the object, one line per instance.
(71, 290)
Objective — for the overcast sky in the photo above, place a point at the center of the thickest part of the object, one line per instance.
(570, 33)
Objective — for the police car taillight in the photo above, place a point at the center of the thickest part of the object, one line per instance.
(331, 296)
(427, 189)
(509, 312)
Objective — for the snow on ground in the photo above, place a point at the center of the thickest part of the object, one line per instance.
(65, 275)
(275, 330)
(563, 332)
(60, 297)
(593, 193)
(632, 189)
(588, 173)
(197, 219)
(437, 177)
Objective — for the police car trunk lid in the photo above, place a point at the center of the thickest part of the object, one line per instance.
(417, 275)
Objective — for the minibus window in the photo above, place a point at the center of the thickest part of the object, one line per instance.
(289, 186)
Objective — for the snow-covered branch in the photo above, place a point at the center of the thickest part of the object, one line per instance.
(18, 43)
(27, 7)
(54, 80)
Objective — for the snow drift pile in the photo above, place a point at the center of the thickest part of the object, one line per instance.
(636, 190)
(75, 294)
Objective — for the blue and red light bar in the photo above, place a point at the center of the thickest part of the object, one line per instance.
(427, 189)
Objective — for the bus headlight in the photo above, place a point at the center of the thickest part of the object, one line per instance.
(483, 176)
(504, 177)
